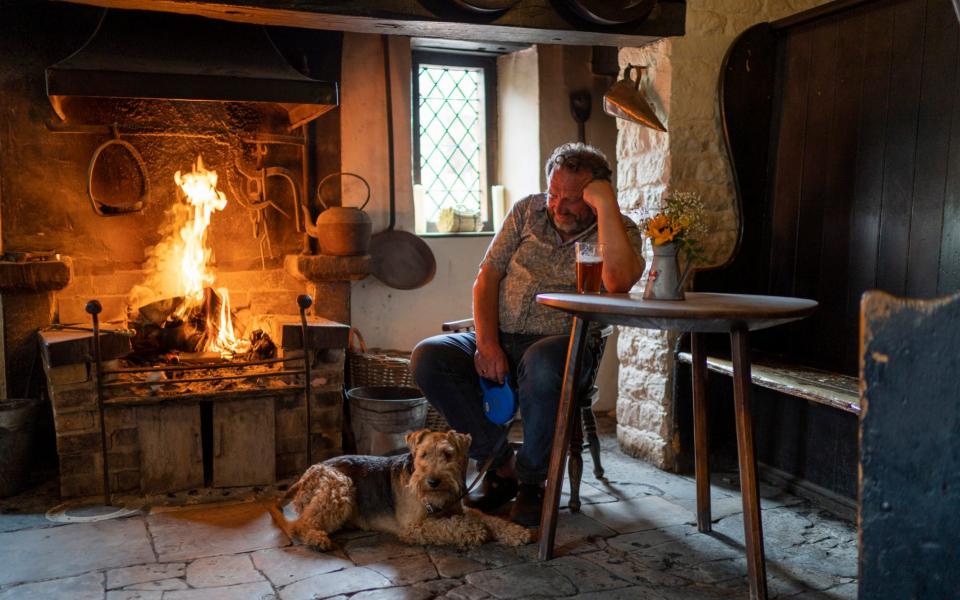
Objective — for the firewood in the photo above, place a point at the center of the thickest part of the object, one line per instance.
(161, 310)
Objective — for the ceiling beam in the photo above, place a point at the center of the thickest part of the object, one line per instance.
(529, 21)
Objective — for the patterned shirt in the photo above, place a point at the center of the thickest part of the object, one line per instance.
(534, 260)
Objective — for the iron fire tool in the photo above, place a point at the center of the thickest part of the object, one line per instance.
(255, 198)
(94, 308)
(304, 301)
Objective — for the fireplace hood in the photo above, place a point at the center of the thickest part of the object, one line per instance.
(134, 54)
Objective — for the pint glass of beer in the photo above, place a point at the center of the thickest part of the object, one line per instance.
(589, 267)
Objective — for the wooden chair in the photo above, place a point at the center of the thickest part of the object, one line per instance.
(585, 424)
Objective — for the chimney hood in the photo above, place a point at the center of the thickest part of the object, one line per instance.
(134, 54)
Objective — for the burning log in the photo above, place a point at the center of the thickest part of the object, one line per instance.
(158, 312)
(198, 330)
(204, 318)
(262, 346)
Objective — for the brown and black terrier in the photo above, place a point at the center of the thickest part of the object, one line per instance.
(414, 496)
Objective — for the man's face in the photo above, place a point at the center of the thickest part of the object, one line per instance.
(565, 205)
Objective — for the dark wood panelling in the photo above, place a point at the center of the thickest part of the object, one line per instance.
(948, 278)
(868, 167)
(815, 192)
(937, 89)
(859, 189)
(861, 192)
(834, 325)
(901, 145)
(791, 141)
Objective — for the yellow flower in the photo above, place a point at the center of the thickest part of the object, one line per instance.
(660, 230)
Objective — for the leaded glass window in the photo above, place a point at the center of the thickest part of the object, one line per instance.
(451, 149)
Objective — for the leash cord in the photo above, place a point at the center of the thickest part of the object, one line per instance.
(493, 455)
(482, 471)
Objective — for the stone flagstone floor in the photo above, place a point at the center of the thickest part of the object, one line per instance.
(635, 538)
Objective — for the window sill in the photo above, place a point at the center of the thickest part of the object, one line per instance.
(457, 234)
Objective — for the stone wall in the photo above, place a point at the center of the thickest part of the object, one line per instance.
(681, 83)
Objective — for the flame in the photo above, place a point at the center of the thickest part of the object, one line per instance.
(179, 266)
(200, 190)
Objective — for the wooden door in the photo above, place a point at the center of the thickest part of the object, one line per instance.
(171, 453)
(244, 448)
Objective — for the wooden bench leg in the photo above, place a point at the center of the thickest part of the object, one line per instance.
(701, 439)
(575, 462)
(752, 524)
(593, 441)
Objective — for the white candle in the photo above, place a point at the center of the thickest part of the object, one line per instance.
(419, 209)
(499, 207)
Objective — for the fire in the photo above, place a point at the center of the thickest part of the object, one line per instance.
(200, 191)
(180, 265)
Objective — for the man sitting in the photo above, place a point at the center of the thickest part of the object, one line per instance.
(533, 253)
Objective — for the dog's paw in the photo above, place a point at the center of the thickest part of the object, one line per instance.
(515, 535)
(472, 532)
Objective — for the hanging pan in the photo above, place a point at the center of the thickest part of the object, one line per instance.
(401, 259)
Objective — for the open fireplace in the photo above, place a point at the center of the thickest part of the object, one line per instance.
(163, 255)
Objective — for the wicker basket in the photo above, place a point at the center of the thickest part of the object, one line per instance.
(384, 367)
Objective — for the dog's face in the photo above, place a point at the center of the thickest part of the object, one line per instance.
(439, 467)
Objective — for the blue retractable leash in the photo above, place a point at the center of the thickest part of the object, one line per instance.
(499, 400)
(500, 407)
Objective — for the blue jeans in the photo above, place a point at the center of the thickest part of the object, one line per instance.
(443, 368)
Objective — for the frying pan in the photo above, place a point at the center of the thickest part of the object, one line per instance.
(400, 259)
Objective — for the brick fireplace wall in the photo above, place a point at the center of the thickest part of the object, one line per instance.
(681, 82)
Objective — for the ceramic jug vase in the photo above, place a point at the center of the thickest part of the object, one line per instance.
(665, 282)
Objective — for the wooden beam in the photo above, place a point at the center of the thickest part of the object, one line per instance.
(530, 21)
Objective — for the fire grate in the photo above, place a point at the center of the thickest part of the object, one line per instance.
(106, 392)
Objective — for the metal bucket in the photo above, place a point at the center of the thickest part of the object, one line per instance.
(381, 416)
(18, 419)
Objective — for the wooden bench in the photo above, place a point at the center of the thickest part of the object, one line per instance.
(830, 389)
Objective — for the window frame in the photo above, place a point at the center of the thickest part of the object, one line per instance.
(488, 64)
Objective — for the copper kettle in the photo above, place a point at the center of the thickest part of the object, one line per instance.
(341, 230)
(625, 100)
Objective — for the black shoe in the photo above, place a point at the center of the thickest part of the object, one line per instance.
(495, 491)
(526, 510)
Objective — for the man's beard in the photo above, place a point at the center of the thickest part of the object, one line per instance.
(574, 227)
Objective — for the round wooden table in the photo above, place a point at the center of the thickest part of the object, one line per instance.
(700, 313)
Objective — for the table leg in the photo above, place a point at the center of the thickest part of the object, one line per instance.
(752, 524)
(701, 439)
(561, 438)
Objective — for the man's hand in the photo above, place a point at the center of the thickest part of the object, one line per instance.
(491, 363)
(600, 196)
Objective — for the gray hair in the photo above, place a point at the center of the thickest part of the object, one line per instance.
(576, 157)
